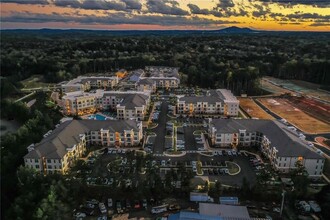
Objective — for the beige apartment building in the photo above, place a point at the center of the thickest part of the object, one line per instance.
(129, 105)
(85, 83)
(58, 150)
(279, 144)
(214, 103)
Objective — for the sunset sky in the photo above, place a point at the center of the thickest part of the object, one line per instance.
(302, 15)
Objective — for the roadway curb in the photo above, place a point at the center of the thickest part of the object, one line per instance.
(239, 168)
(175, 155)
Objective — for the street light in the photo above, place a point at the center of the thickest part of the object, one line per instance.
(283, 196)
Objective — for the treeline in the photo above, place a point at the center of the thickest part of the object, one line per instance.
(235, 62)
(36, 122)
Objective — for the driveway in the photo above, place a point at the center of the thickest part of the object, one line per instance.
(160, 130)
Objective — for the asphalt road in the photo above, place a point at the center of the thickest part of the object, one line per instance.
(190, 142)
(160, 130)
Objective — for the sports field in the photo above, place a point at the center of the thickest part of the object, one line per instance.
(35, 81)
(253, 109)
(298, 87)
(285, 109)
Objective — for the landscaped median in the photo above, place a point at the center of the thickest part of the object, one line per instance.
(152, 126)
(199, 132)
(206, 153)
(233, 168)
(174, 153)
(199, 169)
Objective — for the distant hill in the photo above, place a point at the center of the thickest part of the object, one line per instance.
(236, 30)
(56, 33)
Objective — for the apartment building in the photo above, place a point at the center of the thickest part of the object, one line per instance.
(279, 144)
(85, 83)
(58, 150)
(129, 105)
(146, 84)
(214, 103)
(158, 77)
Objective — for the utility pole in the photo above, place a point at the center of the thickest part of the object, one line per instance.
(283, 196)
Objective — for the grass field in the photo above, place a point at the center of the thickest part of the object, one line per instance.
(305, 122)
(35, 81)
(300, 87)
(253, 109)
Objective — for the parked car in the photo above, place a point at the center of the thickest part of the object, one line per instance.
(144, 203)
(79, 215)
(110, 202)
(102, 208)
(137, 204)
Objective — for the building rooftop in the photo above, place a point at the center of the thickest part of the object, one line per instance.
(162, 71)
(224, 211)
(145, 81)
(287, 143)
(66, 135)
(212, 96)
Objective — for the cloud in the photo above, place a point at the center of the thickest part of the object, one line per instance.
(28, 2)
(103, 5)
(133, 4)
(290, 3)
(225, 4)
(167, 7)
(67, 3)
(227, 8)
(319, 24)
(194, 9)
(114, 18)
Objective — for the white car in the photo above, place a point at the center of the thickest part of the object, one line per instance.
(163, 163)
(194, 169)
(234, 153)
(79, 215)
(229, 153)
(219, 153)
(102, 208)
(110, 202)
(194, 163)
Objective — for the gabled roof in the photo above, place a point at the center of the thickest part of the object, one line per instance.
(287, 143)
(196, 99)
(67, 135)
(145, 81)
(134, 100)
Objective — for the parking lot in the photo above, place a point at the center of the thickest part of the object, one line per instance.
(193, 142)
(160, 130)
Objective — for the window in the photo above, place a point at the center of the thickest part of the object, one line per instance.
(316, 167)
(49, 160)
(50, 167)
(36, 160)
(37, 166)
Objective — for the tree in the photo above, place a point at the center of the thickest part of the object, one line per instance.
(300, 179)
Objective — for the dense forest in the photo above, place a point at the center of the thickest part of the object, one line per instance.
(232, 61)
(236, 62)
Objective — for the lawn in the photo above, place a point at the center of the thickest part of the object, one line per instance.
(251, 108)
(35, 81)
(305, 122)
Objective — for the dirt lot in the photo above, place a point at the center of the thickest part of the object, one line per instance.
(315, 108)
(253, 109)
(286, 109)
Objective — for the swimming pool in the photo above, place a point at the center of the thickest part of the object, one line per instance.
(97, 117)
